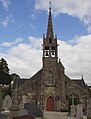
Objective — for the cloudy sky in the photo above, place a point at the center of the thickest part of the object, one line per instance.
(23, 23)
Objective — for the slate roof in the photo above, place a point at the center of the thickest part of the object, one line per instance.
(23, 80)
(60, 64)
(33, 78)
(79, 82)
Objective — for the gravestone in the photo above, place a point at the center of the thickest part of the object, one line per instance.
(14, 110)
(33, 109)
(5, 113)
(79, 114)
(25, 99)
(29, 97)
(73, 111)
(23, 112)
(2, 116)
(89, 107)
(73, 107)
(7, 103)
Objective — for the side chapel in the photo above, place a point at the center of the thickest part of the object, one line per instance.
(50, 88)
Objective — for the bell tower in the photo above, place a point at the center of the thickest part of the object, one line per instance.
(50, 52)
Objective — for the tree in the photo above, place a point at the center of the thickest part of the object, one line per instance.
(4, 66)
(5, 77)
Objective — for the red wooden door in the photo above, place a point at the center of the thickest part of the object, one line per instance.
(50, 104)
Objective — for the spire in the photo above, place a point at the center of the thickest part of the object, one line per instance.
(50, 27)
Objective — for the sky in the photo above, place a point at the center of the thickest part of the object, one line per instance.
(23, 23)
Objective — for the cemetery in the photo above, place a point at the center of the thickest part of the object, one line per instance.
(28, 110)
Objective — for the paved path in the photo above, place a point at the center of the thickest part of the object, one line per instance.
(58, 115)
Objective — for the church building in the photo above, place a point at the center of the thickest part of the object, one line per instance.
(50, 88)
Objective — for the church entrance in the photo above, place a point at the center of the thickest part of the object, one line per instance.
(50, 104)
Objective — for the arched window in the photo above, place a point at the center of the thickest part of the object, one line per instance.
(53, 51)
(46, 51)
(50, 40)
(51, 79)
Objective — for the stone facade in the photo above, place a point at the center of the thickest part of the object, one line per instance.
(50, 86)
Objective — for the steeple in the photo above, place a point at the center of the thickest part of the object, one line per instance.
(50, 27)
(50, 50)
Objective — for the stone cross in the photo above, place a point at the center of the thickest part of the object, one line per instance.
(15, 95)
(73, 97)
(73, 107)
(15, 101)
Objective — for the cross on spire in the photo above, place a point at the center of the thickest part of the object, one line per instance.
(50, 27)
(50, 4)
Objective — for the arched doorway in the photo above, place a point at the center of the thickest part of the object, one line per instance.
(50, 104)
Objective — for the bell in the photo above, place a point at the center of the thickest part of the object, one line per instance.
(46, 53)
(53, 53)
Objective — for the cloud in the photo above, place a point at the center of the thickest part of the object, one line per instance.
(77, 58)
(6, 44)
(35, 42)
(5, 4)
(25, 59)
(5, 22)
(80, 9)
(10, 44)
(33, 16)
